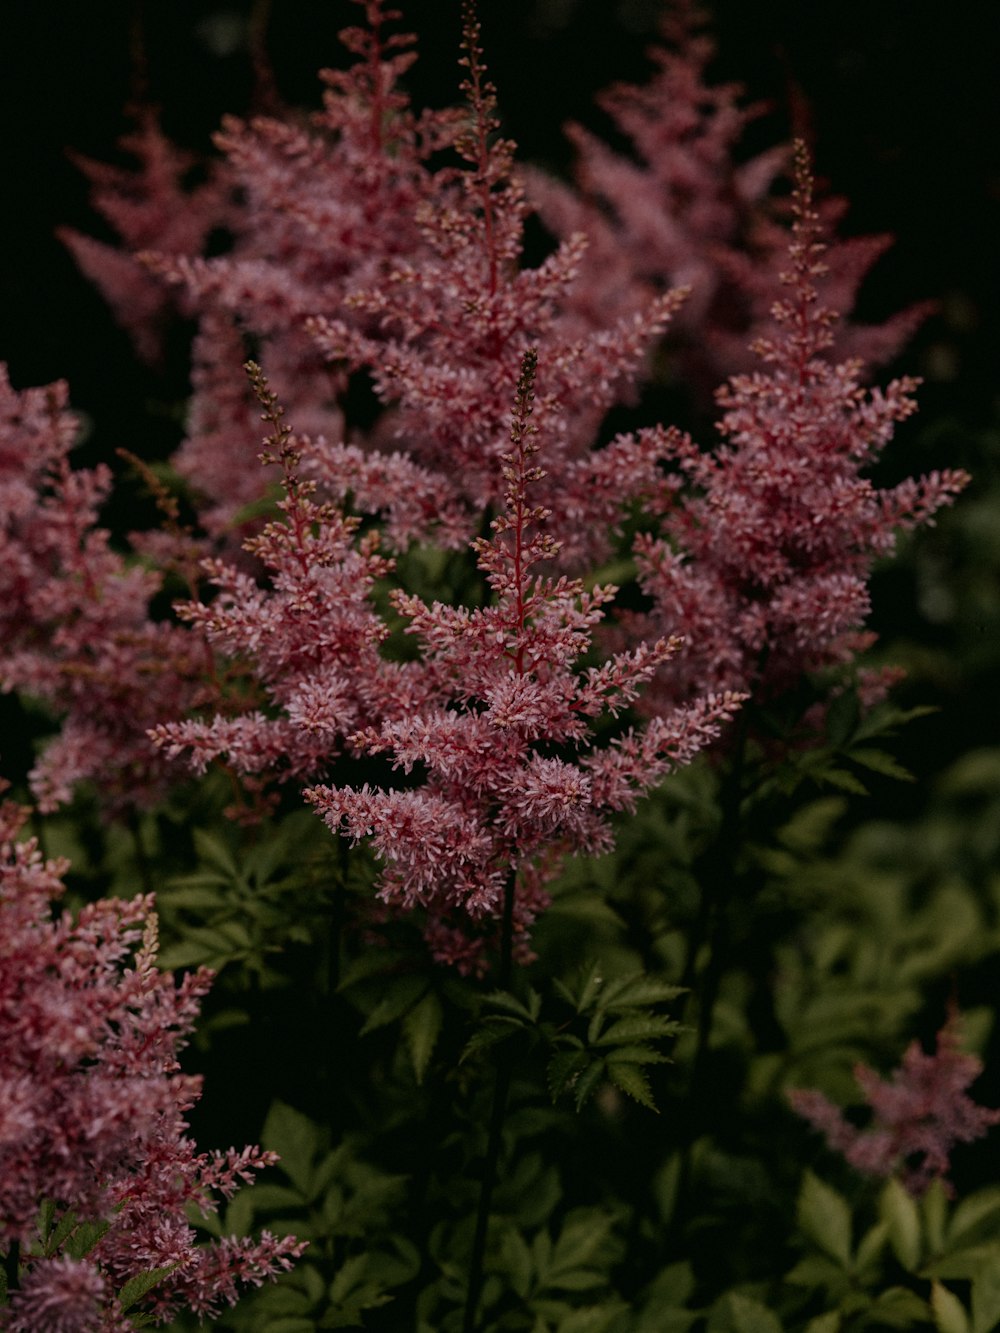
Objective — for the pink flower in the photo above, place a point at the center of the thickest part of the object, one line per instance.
(918, 1115)
(765, 552)
(511, 778)
(93, 1110)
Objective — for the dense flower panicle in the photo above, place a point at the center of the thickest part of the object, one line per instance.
(149, 207)
(308, 628)
(327, 207)
(918, 1115)
(764, 559)
(507, 788)
(443, 334)
(681, 210)
(75, 629)
(93, 1104)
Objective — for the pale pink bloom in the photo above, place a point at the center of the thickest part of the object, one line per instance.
(511, 779)
(681, 209)
(764, 556)
(919, 1114)
(93, 1109)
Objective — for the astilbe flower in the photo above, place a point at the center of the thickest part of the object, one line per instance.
(681, 209)
(92, 1112)
(307, 629)
(328, 205)
(918, 1115)
(765, 555)
(511, 779)
(75, 628)
(443, 333)
(149, 206)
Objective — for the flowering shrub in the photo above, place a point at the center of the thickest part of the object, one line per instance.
(97, 1167)
(481, 739)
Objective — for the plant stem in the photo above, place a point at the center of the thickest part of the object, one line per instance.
(712, 923)
(501, 1088)
(12, 1266)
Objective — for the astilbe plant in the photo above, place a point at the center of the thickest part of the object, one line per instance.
(918, 1115)
(508, 714)
(680, 208)
(97, 1171)
(766, 553)
(75, 625)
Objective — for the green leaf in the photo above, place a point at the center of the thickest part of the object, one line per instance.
(971, 1213)
(421, 1027)
(825, 1218)
(986, 1298)
(402, 993)
(749, 1316)
(85, 1237)
(638, 991)
(511, 1005)
(588, 1083)
(878, 761)
(137, 1287)
(903, 1216)
(563, 1070)
(212, 850)
(825, 1323)
(949, 1312)
(641, 1028)
(633, 1082)
(296, 1140)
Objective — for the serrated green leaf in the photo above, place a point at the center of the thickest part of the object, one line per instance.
(563, 1069)
(949, 1312)
(402, 993)
(825, 1218)
(137, 1287)
(841, 779)
(212, 850)
(510, 1005)
(640, 1028)
(421, 1027)
(638, 991)
(639, 1055)
(84, 1237)
(986, 1297)
(633, 1082)
(490, 1034)
(871, 1245)
(59, 1231)
(879, 761)
(587, 1084)
(371, 963)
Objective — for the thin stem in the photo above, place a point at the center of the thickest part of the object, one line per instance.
(12, 1266)
(712, 923)
(501, 1088)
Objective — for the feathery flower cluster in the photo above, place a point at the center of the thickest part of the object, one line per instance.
(681, 210)
(918, 1115)
(764, 561)
(508, 713)
(75, 629)
(309, 631)
(92, 1114)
